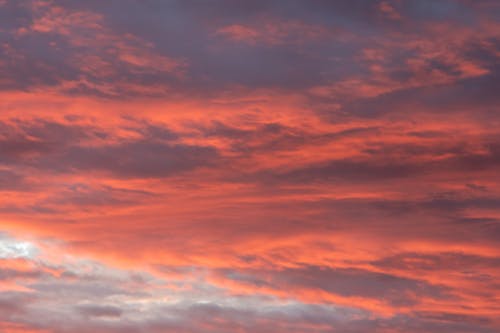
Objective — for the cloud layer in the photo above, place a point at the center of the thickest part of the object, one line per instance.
(249, 166)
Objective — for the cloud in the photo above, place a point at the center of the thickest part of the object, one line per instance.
(57, 146)
(397, 291)
(241, 166)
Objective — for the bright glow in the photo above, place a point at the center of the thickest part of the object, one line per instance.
(11, 248)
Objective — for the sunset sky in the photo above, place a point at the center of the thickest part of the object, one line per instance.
(249, 166)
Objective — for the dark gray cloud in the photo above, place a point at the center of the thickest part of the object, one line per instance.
(13, 303)
(100, 310)
(57, 147)
(478, 93)
(136, 159)
(386, 161)
(347, 282)
(50, 58)
(459, 262)
(12, 181)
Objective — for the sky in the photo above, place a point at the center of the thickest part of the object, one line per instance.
(237, 166)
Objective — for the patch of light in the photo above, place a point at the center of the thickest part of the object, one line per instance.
(12, 248)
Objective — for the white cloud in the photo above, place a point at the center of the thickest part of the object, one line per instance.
(12, 248)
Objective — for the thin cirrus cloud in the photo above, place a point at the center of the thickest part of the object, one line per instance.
(269, 166)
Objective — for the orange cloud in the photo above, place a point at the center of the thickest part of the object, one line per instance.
(308, 166)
